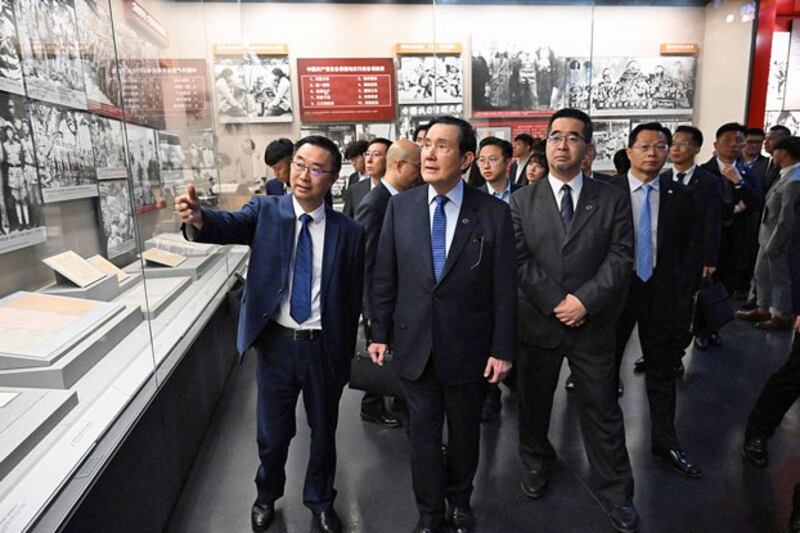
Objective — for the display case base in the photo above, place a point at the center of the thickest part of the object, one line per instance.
(193, 267)
(160, 293)
(28, 417)
(103, 290)
(175, 243)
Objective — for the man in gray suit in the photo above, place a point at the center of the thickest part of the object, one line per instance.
(773, 287)
(574, 240)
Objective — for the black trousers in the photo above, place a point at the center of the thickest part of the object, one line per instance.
(598, 412)
(780, 392)
(435, 477)
(285, 368)
(661, 349)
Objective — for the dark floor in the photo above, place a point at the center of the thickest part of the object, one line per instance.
(374, 480)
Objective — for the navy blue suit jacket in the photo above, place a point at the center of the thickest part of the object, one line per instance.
(275, 187)
(471, 313)
(267, 225)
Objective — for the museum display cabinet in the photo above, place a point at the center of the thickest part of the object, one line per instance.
(116, 333)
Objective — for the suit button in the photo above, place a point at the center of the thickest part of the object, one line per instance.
(265, 315)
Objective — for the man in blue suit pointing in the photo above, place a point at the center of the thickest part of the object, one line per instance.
(299, 314)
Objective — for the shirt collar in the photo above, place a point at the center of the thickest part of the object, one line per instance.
(317, 214)
(576, 183)
(788, 169)
(688, 172)
(506, 190)
(389, 188)
(636, 184)
(455, 195)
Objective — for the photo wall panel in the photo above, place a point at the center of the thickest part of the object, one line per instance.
(10, 63)
(108, 144)
(98, 57)
(430, 79)
(173, 165)
(145, 168)
(116, 218)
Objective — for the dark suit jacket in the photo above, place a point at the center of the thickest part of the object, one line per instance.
(771, 174)
(370, 215)
(794, 263)
(759, 171)
(513, 173)
(353, 179)
(485, 187)
(267, 225)
(707, 192)
(354, 195)
(475, 178)
(464, 318)
(747, 193)
(592, 260)
(599, 176)
(275, 187)
(673, 254)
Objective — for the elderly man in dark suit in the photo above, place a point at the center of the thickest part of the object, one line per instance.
(663, 212)
(574, 257)
(402, 173)
(375, 168)
(444, 298)
(300, 316)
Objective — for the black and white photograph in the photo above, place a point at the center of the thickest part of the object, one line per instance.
(108, 144)
(98, 58)
(21, 218)
(200, 154)
(790, 119)
(251, 88)
(609, 136)
(578, 83)
(501, 132)
(141, 90)
(116, 217)
(145, 168)
(173, 173)
(778, 65)
(411, 116)
(51, 60)
(430, 79)
(10, 64)
(64, 155)
(671, 123)
(642, 85)
(513, 80)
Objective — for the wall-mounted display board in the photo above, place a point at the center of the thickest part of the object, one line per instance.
(346, 90)
(791, 99)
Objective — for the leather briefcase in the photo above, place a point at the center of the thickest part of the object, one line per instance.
(712, 307)
(369, 377)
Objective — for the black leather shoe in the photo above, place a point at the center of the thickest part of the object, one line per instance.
(419, 528)
(677, 460)
(639, 366)
(327, 522)
(794, 520)
(385, 419)
(491, 409)
(624, 518)
(569, 384)
(462, 520)
(755, 451)
(701, 343)
(715, 339)
(262, 515)
(534, 484)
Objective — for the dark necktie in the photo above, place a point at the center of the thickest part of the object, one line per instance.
(681, 175)
(303, 274)
(567, 209)
(439, 237)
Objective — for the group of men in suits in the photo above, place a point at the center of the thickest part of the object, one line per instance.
(459, 282)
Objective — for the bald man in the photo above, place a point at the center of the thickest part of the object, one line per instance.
(402, 173)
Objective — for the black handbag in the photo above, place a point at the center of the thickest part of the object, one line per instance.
(369, 377)
(712, 307)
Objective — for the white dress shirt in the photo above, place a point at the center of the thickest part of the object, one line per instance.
(785, 170)
(687, 174)
(451, 210)
(389, 188)
(504, 195)
(316, 229)
(520, 165)
(576, 184)
(637, 199)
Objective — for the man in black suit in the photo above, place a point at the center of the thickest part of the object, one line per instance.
(740, 198)
(574, 257)
(299, 314)
(663, 212)
(772, 171)
(706, 191)
(402, 172)
(493, 161)
(355, 154)
(523, 148)
(588, 161)
(375, 168)
(278, 157)
(445, 300)
(752, 157)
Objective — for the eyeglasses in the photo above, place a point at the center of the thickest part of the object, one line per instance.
(315, 172)
(557, 138)
(492, 160)
(410, 163)
(682, 145)
(644, 148)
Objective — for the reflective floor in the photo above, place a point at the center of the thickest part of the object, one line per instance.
(374, 480)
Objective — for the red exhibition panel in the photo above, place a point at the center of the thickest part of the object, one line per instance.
(346, 90)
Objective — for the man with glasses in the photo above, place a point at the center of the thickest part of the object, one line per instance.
(302, 331)
(663, 212)
(402, 173)
(574, 257)
(375, 168)
(494, 160)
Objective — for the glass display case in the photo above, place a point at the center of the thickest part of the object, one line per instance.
(109, 108)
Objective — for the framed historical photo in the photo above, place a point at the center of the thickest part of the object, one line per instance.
(116, 218)
(173, 170)
(98, 58)
(609, 136)
(51, 59)
(10, 64)
(430, 79)
(252, 83)
(108, 144)
(145, 168)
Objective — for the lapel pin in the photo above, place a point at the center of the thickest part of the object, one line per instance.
(669, 191)
(589, 207)
(465, 221)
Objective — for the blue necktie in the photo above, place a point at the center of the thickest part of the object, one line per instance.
(438, 237)
(303, 274)
(644, 239)
(567, 209)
